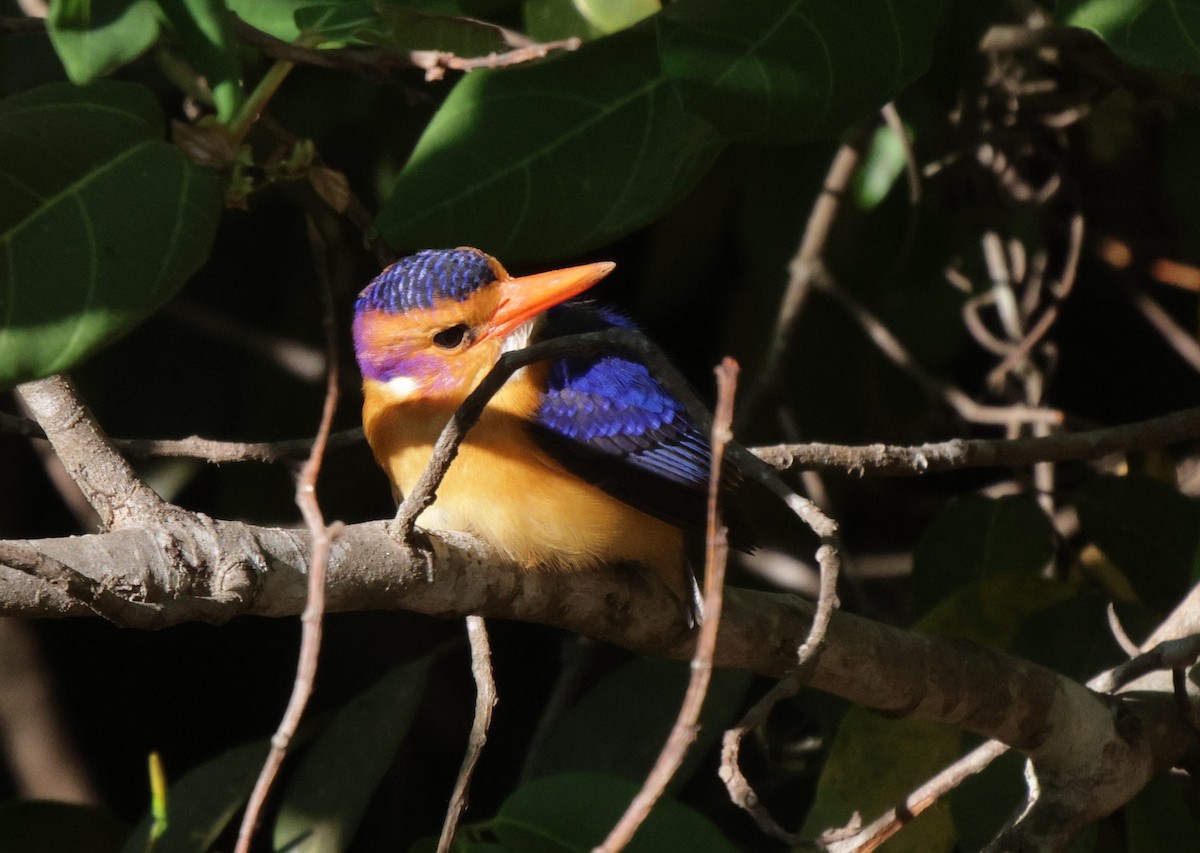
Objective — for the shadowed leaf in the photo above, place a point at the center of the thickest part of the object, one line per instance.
(101, 222)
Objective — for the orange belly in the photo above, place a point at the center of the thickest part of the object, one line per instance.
(504, 489)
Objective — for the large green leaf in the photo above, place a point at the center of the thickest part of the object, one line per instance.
(546, 20)
(46, 827)
(1148, 529)
(551, 158)
(977, 536)
(92, 37)
(766, 69)
(875, 762)
(201, 804)
(619, 727)
(573, 813)
(101, 221)
(1162, 34)
(337, 776)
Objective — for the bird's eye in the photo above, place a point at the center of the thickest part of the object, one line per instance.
(453, 337)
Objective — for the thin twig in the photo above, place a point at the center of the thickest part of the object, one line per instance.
(1128, 646)
(322, 540)
(804, 267)
(485, 701)
(956, 454)
(741, 792)
(378, 62)
(887, 460)
(217, 452)
(686, 727)
(1178, 338)
(866, 838)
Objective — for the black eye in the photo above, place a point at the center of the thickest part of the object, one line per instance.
(452, 337)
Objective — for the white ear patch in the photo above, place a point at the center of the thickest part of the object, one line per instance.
(401, 387)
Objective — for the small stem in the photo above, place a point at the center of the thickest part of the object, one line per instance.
(249, 112)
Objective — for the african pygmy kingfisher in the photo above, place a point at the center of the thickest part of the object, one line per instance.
(575, 462)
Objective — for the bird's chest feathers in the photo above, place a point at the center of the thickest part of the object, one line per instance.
(402, 430)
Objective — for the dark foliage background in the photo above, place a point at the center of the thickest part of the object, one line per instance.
(722, 179)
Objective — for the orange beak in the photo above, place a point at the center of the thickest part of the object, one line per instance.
(523, 298)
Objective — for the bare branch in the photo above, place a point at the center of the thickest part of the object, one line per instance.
(378, 62)
(485, 701)
(893, 460)
(716, 554)
(322, 537)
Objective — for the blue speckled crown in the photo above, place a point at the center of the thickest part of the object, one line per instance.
(420, 280)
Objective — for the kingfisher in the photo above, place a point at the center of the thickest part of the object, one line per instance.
(576, 462)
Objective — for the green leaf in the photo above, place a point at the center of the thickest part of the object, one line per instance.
(337, 776)
(983, 801)
(619, 727)
(203, 802)
(1148, 529)
(769, 70)
(204, 32)
(976, 536)
(274, 17)
(45, 827)
(547, 20)
(92, 37)
(1160, 34)
(101, 221)
(575, 811)
(550, 158)
(874, 764)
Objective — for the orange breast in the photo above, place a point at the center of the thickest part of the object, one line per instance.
(504, 489)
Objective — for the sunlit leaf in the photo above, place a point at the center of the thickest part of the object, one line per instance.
(1162, 34)
(92, 37)
(101, 221)
(550, 158)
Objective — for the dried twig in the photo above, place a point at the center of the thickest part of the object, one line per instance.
(485, 701)
(379, 62)
(862, 839)
(322, 540)
(803, 269)
(1178, 338)
(893, 460)
(716, 553)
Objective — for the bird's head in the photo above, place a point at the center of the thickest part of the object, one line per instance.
(431, 325)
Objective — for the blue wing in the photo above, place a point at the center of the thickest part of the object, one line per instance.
(606, 419)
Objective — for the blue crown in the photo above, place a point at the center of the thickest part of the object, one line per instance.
(420, 280)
